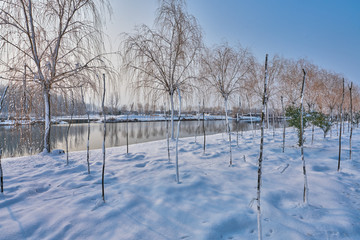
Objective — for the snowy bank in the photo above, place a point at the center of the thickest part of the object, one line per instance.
(45, 199)
(123, 118)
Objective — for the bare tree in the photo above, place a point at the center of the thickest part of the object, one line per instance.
(273, 119)
(57, 40)
(147, 108)
(251, 119)
(115, 102)
(162, 59)
(103, 145)
(237, 122)
(223, 68)
(254, 83)
(331, 83)
(72, 108)
(261, 151)
(127, 128)
(341, 116)
(314, 86)
(203, 126)
(198, 122)
(140, 108)
(177, 140)
(3, 97)
(312, 94)
(306, 188)
(284, 122)
(356, 101)
(351, 116)
(88, 131)
(167, 132)
(289, 84)
(1, 171)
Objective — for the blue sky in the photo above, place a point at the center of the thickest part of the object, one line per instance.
(326, 32)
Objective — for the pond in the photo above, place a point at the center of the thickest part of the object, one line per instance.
(27, 139)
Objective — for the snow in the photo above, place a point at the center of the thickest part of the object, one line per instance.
(161, 117)
(45, 199)
(123, 118)
(119, 118)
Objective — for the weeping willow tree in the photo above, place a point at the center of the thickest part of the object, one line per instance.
(223, 68)
(162, 59)
(59, 41)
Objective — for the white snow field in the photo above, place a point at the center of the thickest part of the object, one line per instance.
(45, 199)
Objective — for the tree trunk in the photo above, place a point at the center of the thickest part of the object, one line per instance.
(88, 132)
(204, 133)
(3, 97)
(306, 189)
(88, 142)
(273, 123)
(351, 117)
(347, 118)
(198, 123)
(46, 92)
(237, 124)
(103, 145)
(312, 134)
(261, 152)
(331, 117)
(1, 171)
(337, 124)
(172, 114)
(267, 116)
(1, 174)
(68, 129)
(312, 127)
(228, 128)
(167, 134)
(177, 140)
(127, 134)
(251, 121)
(237, 129)
(284, 122)
(25, 112)
(341, 107)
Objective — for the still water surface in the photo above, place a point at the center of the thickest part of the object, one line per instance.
(27, 140)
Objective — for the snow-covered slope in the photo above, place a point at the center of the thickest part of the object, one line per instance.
(45, 199)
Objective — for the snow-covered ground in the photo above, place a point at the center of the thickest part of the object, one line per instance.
(45, 199)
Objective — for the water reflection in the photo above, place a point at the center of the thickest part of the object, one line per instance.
(27, 140)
